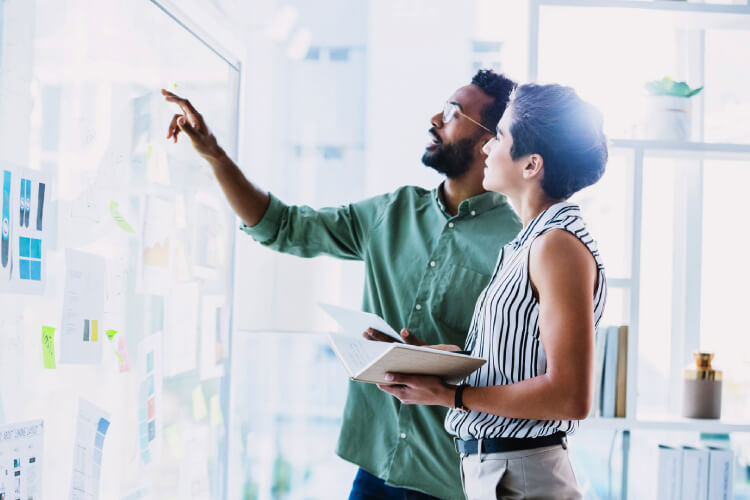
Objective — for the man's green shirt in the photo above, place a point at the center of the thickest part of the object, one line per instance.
(424, 270)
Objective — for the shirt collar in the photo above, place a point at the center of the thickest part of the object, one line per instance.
(472, 206)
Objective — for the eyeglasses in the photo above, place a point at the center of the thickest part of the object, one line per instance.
(450, 109)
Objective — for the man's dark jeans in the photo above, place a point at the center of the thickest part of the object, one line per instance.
(369, 487)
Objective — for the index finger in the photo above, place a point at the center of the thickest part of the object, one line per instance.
(183, 103)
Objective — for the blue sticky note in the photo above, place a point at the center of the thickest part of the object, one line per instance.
(97, 456)
(151, 430)
(150, 362)
(24, 247)
(146, 457)
(143, 428)
(99, 441)
(23, 269)
(35, 270)
(103, 426)
(142, 413)
(35, 251)
(150, 382)
(144, 442)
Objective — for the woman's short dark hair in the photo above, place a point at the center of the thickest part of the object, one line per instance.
(498, 87)
(554, 122)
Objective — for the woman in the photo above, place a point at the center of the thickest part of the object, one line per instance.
(535, 321)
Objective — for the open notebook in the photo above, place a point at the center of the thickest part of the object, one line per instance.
(369, 361)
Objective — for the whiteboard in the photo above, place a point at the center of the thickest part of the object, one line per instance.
(116, 259)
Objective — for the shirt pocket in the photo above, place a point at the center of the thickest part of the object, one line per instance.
(455, 296)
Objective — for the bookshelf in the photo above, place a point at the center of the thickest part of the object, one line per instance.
(695, 19)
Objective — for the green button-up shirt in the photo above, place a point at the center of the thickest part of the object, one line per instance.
(424, 269)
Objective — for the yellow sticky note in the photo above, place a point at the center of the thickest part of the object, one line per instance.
(48, 347)
(174, 442)
(94, 330)
(217, 418)
(199, 403)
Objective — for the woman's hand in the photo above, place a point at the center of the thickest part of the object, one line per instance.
(419, 389)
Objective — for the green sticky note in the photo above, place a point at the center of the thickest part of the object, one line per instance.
(199, 403)
(48, 347)
(175, 85)
(217, 417)
(111, 333)
(114, 211)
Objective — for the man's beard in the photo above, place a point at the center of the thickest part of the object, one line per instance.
(453, 160)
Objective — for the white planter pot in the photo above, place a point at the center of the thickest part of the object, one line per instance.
(668, 118)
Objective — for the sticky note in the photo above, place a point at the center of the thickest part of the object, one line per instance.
(175, 85)
(94, 330)
(199, 404)
(48, 347)
(111, 334)
(217, 417)
(114, 211)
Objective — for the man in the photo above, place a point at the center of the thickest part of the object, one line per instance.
(427, 255)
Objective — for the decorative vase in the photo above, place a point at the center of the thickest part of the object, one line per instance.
(669, 118)
(702, 390)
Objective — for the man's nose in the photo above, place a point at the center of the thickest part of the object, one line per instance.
(437, 120)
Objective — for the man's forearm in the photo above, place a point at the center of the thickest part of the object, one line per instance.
(248, 201)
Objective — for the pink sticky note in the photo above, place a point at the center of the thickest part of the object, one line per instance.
(122, 349)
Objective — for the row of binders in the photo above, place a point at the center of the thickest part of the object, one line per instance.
(689, 473)
(610, 371)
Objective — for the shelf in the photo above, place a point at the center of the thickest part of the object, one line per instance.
(686, 150)
(674, 13)
(665, 424)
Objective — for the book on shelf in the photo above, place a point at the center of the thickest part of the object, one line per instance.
(669, 484)
(610, 372)
(369, 361)
(695, 473)
(720, 473)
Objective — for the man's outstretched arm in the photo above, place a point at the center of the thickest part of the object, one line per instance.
(248, 200)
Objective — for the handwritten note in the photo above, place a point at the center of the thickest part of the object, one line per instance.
(48, 347)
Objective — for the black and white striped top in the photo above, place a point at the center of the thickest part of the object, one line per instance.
(505, 329)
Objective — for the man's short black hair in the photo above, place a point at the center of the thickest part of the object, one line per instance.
(554, 122)
(499, 88)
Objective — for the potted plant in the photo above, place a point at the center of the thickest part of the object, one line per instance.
(669, 115)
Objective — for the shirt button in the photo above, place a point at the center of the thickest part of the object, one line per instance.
(403, 436)
(418, 307)
(432, 264)
(473, 212)
(450, 225)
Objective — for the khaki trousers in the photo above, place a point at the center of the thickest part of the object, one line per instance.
(540, 473)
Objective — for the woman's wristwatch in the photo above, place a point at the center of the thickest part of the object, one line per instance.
(458, 399)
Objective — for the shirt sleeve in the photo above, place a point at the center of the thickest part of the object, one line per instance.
(340, 232)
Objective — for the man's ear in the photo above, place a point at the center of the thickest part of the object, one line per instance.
(534, 166)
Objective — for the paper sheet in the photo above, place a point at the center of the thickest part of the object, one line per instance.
(21, 449)
(357, 322)
(157, 242)
(207, 236)
(25, 219)
(214, 335)
(83, 308)
(150, 399)
(91, 429)
(181, 329)
(199, 403)
(356, 353)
